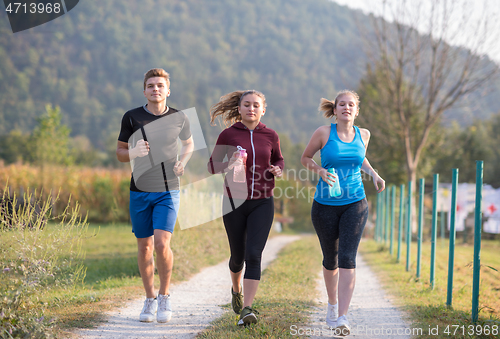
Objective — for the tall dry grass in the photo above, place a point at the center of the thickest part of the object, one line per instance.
(102, 193)
(35, 261)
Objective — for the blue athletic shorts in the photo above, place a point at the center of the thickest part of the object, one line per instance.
(151, 211)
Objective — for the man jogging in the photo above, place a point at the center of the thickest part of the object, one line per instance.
(148, 139)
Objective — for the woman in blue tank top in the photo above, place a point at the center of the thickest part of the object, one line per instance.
(339, 220)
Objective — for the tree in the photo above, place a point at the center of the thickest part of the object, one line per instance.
(378, 115)
(50, 140)
(291, 153)
(493, 168)
(82, 152)
(14, 147)
(463, 147)
(424, 74)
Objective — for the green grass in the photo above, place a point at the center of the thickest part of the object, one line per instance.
(112, 276)
(426, 306)
(286, 294)
(35, 263)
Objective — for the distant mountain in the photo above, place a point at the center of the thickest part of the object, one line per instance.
(91, 61)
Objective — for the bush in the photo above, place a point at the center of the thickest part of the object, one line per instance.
(32, 262)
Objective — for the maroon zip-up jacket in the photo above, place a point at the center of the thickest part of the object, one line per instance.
(263, 149)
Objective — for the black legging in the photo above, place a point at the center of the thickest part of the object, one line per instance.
(339, 230)
(247, 228)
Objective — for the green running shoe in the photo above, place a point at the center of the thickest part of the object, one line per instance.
(247, 316)
(237, 301)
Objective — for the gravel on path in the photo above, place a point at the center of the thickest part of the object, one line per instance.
(195, 303)
(371, 314)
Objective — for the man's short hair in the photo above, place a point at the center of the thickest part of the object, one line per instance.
(157, 72)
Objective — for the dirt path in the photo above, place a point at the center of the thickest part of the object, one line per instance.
(371, 313)
(195, 304)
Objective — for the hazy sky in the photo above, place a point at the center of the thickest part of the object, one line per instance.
(475, 9)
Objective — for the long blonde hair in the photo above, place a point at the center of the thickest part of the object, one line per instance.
(227, 107)
(327, 106)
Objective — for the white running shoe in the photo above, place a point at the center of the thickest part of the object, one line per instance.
(343, 327)
(331, 315)
(164, 309)
(149, 310)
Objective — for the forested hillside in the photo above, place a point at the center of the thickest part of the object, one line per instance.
(91, 61)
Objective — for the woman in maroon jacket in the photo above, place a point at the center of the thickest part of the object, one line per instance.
(248, 207)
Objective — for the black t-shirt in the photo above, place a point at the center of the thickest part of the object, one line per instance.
(154, 172)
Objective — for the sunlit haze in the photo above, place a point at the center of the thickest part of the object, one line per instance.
(475, 10)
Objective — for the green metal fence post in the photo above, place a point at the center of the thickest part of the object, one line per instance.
(387, 214)
(393, 215)
(435, 187)
(401, 219)
(377, 224)
(453, 235)
(382, 214)
(420, 224)
(477, 241)
(381, 221)
(408, 227)
(376, 220)
(442, 224)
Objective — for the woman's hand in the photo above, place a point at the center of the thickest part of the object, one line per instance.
(327, 177)
(276, 171)
(235, 160)
(378, 181)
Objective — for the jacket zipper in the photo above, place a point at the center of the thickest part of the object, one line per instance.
(253, 167)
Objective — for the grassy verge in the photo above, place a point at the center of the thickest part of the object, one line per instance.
(34, 262)
(113, 278)
(425, 306)
(285, 295)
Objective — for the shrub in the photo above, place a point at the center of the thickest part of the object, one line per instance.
(35, 260)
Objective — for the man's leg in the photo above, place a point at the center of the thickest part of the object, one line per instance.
(140, 214)
(145, 261)
(164, 259)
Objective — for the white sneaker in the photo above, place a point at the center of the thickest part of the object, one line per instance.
(149, 310)
(164, 309)
(331, 315)
(343, 327)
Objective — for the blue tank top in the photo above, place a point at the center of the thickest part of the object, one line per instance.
(346, 158)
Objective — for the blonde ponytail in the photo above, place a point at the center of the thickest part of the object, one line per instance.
(326, 106)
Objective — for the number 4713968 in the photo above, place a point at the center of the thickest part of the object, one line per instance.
(471, 330)
(18, 7)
